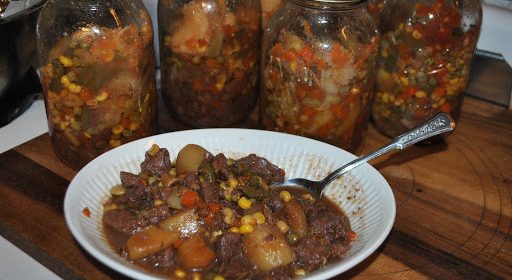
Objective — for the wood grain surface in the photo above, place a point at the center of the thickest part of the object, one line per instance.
(454, 204)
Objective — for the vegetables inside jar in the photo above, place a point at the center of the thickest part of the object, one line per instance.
(210, 51)
(98, 75)
(424, 61)
(318, 70)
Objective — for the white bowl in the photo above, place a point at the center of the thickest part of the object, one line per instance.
(363, 194)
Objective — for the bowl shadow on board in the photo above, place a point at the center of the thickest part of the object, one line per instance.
(109, 272)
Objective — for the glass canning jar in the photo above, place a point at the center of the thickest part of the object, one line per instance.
(98, 75)
(424, 60)
(318, 70)
(209, 58)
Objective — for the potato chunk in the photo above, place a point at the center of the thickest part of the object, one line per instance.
(195, 253)
(267, 248)
(150, 241)
(190, 158)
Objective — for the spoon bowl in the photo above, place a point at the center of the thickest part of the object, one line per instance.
(439, 124)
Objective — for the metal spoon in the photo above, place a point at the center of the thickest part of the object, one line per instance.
(441, 123)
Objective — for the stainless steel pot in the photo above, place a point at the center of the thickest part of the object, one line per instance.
(18, 54)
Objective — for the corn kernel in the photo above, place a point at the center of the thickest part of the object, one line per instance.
(118, 190)
(248, 220)
(196, 276)
(416, 34)
(232, 182)
(180, 273)
(308, 197)
(109, 207)
(87, 135)
(245, 229)
(114, 143)
(399, 102)
(285, 196)
(228, 215)
(300, 272)
(173, 172)
(153, 150)
(234, 230)
(355, 90)
(260, 218)
(219, 86)
(63, 125)
(244, 203)
(420, 94)
(218, 277)
(385, 97)
(102, 96)
(74, 88)
(134, 126)
(117, 129)
(282, 226)
(64, 80)
(66, 61)
(404, 81)
(158, 202)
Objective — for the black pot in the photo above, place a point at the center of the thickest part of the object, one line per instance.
(18, 58)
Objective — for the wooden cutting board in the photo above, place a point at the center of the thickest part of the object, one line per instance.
(454, 204)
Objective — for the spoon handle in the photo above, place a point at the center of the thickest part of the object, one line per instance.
(441, 123)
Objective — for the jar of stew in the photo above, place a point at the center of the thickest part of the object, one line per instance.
(98, 75)
(209, 58)
(318, 70)
(424, 60)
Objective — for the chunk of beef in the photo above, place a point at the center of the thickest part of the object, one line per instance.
(164, 258)
(228, 246)
(157, 213)
(310, 253)
(261, 167)
(124, 221)
(131, 180)
(220, 166)
(210, 192)
(236, 269)
(192, 182)
(338, 251)
(136, 197)
(273, 200)
(327, 225)
(269, 216)
(232, 263)
(157, 164)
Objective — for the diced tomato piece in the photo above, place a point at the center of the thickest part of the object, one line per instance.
(339, 55)
(409, 92)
